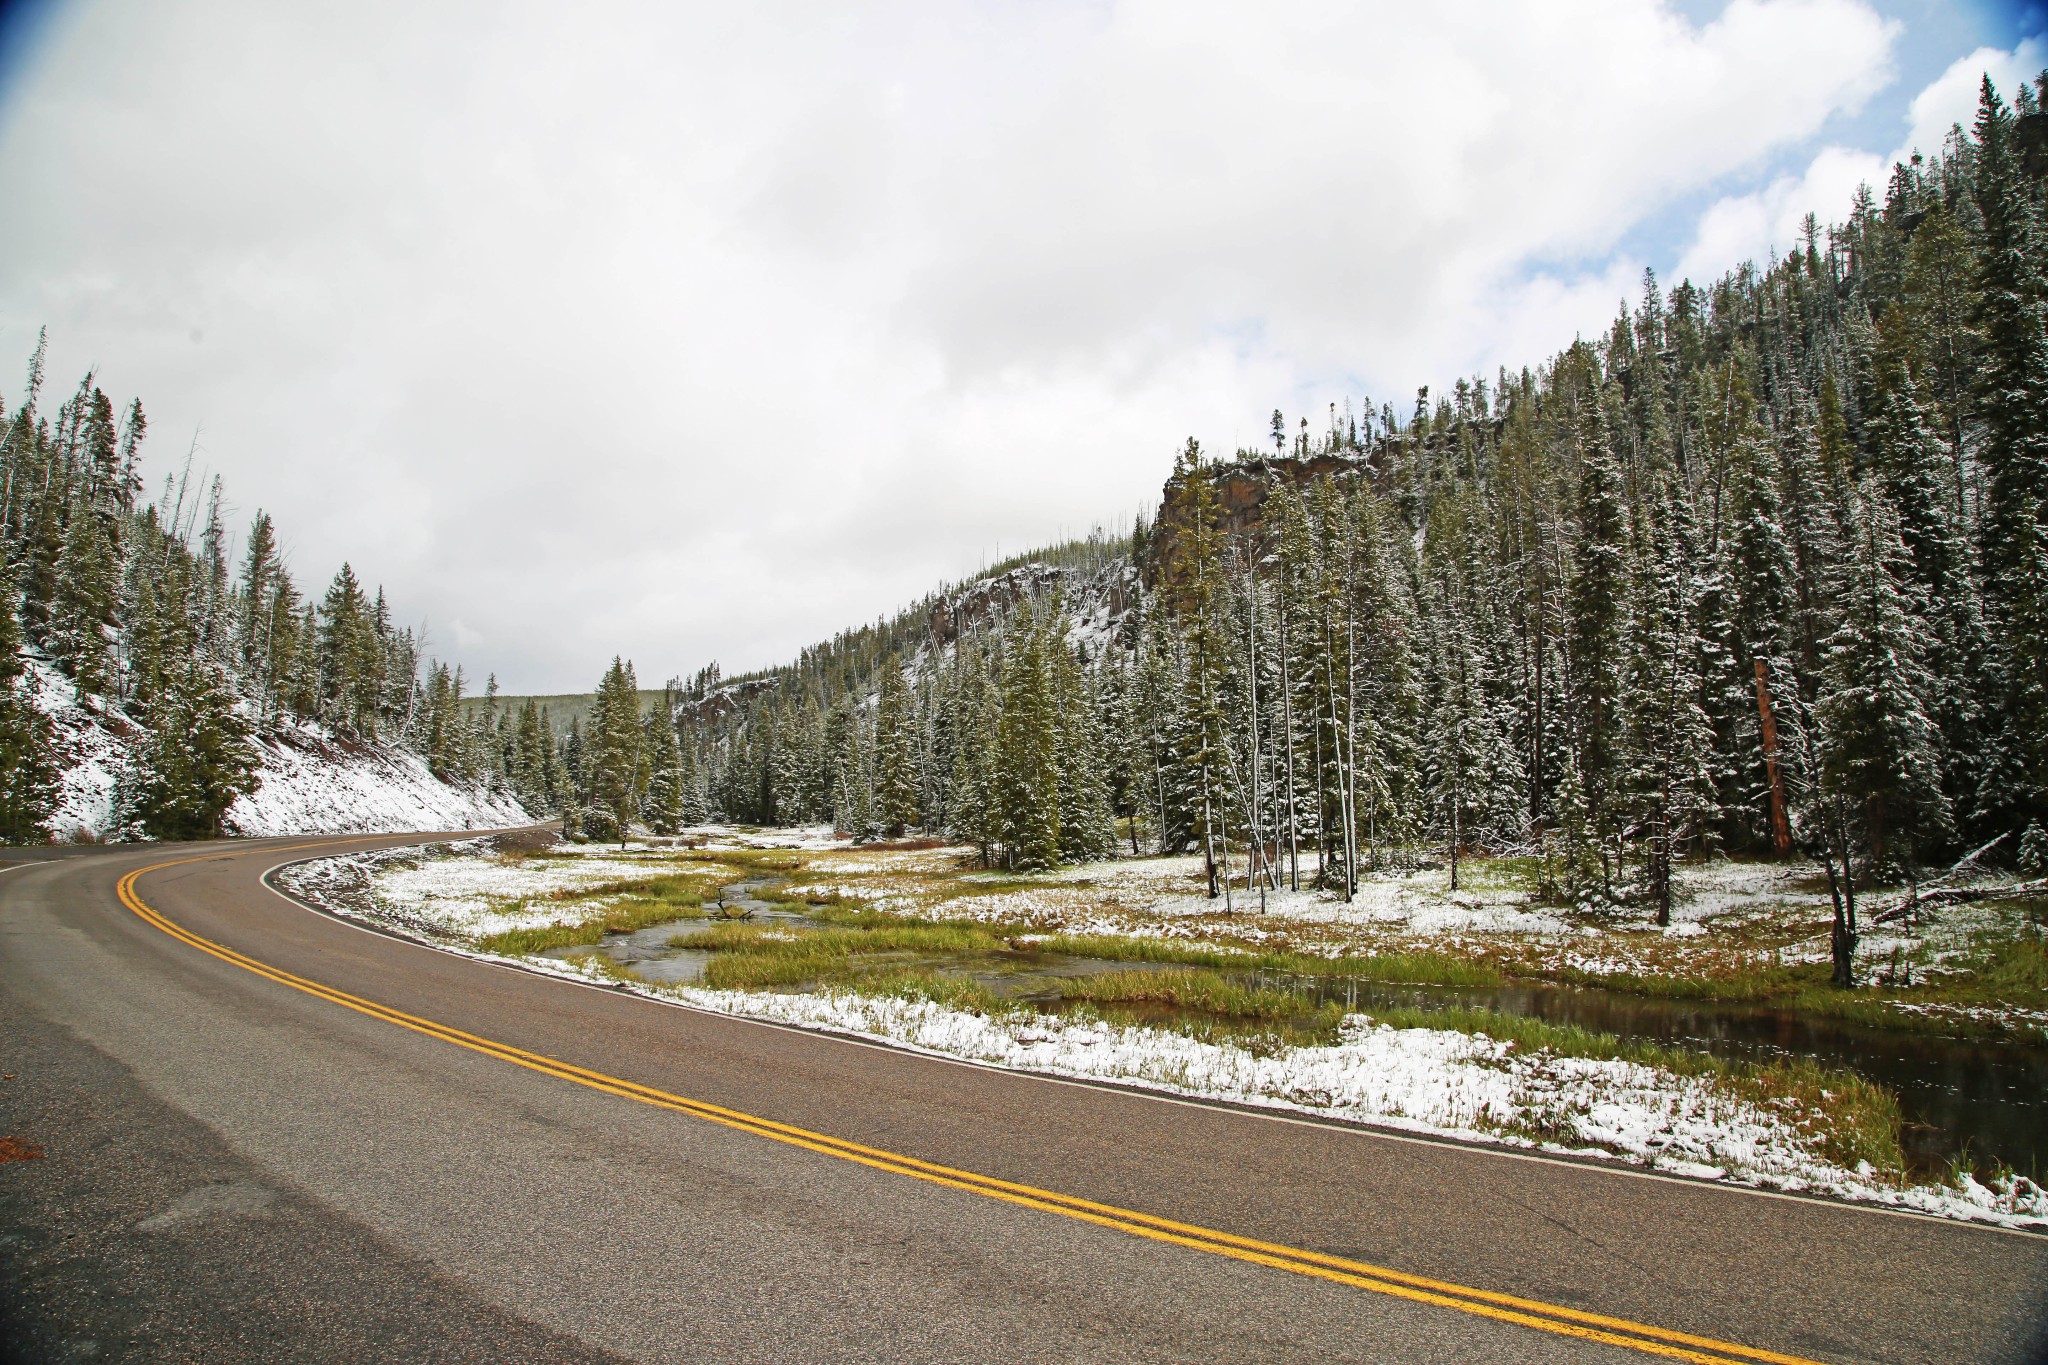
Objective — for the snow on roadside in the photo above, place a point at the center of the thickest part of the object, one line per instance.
(1432, 1081)
(469, 893)
(312, 782)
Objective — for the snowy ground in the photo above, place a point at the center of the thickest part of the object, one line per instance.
(463, 891)
(1728, 917)
(312, 782)
(1424, 1080)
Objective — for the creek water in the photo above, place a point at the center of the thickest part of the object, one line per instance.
(1980, 1103)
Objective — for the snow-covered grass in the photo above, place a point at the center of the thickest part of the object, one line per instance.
(1740, 930)
(1776, 1128)
(475, 894)
(311, 782)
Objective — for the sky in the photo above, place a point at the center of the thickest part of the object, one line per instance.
(700, 332)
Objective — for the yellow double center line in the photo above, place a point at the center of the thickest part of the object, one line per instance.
(1544, 1317)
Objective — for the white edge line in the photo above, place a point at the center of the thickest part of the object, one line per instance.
(1359, 1128)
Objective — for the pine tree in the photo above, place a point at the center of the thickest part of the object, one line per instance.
(663, 805)
(695, 808)
(1027, 749)
(1202, 738)
(350, 666)
(1935, 308)
(2012, 385)
(1469, 766)
(973, 809)
(28, 761)
(82, 607)
(896, 769)
(1666, 739)
(195, 760)
(1594, 620)
(1880, 750)
(261, 574)
(1087, 827)
(615, 765)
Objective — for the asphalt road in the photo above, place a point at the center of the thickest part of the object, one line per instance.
(238, 1168)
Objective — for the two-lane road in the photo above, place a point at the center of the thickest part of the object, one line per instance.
(271, 1135)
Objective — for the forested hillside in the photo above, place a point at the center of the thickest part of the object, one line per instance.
(1760, 569)
(150, 679)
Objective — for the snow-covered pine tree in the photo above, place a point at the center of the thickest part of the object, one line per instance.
(853, 779)
(897, 779)
(1390, 705)
(1594, 619)
(1880, 749)
(1134, 738)
(195, 759)
(1298, 737)
(1203, 730)
(82, 606)
(1666, 741)
(663, 805)
(1468, 763)
(615, 766)
(1087, 826)
(973, 814)
(2012, 381)
(28, 760)
(350, 666)
(1027, 746)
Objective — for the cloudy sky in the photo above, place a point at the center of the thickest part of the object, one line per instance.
(702, 331)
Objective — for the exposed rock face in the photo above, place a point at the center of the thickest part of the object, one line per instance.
(1242, 491)
(724, 700)
(1098, 605)
(988, 599)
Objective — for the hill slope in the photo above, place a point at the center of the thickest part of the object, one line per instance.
(310, 780)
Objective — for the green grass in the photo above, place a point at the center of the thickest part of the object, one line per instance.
(750, 859)
(644, 904)
(2014, 972)
(1737, 986)
(1208, 1007)
(1194, 989)
(2011, 973)
(1419, 969)
(759, 957)
(952, 992)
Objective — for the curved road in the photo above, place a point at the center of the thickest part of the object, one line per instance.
(300, 1163)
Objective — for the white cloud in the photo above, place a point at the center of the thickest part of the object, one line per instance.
(1951, 99)
(1750, 226)
(708, 331)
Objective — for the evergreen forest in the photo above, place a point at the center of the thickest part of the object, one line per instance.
(167, 634)
(1760, 569)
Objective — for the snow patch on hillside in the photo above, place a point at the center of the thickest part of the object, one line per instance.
(312, 782)
(92, 748)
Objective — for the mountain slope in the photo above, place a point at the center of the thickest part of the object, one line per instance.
(310, 780)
